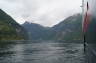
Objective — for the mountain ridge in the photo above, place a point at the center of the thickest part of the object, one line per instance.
(67, 28)
(10, 29)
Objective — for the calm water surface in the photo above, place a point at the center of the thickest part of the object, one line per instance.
(42, 53)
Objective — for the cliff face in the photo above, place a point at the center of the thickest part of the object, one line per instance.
(10, 29)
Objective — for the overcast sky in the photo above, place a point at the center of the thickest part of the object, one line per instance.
(44, 12)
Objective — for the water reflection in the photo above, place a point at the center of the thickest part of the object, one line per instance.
(42, 53)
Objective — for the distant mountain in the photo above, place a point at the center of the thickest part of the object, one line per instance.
(69, 29)
(10, 29)
(37, 32)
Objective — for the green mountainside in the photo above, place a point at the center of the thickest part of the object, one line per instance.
(10, 29)
(69, 29)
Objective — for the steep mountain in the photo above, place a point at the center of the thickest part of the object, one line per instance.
(10, 29)
(37, 32)
(69, 29)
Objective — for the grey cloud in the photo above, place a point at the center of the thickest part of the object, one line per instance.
(45, 12)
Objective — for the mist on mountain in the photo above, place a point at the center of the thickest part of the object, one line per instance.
(69, 29)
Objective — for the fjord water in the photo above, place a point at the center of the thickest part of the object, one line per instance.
(42, 52)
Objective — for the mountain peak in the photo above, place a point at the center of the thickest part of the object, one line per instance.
(26, 22)
(68, 29)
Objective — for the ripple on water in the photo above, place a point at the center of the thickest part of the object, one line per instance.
(42, 53)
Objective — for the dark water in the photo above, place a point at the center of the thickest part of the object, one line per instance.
(42, 53)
